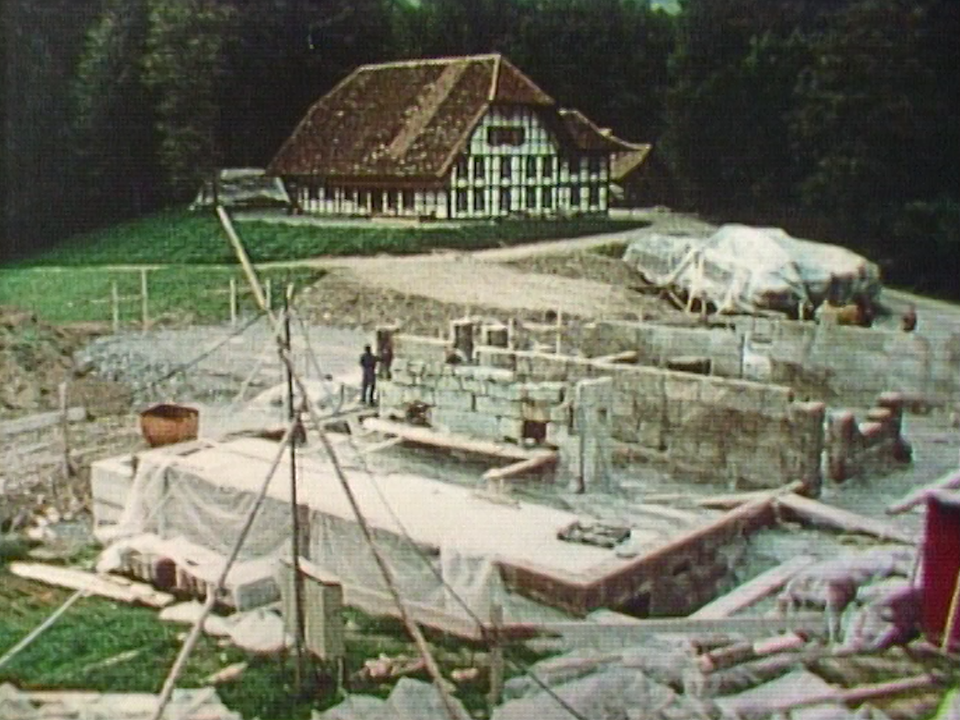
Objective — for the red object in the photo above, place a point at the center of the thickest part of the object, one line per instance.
(941, 566)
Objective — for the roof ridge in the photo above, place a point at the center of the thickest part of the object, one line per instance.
(447, 59)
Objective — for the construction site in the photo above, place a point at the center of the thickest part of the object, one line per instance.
(686, 509)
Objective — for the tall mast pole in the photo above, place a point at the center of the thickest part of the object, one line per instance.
(299, 630)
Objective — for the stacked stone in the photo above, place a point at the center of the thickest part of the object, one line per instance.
(483, 402)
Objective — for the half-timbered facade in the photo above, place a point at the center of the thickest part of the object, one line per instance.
(453, 138)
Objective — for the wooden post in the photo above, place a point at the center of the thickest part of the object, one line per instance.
(144, 299)
(268, 292)
(496, 655)
(68, 471)
(115, 299)
(233, 302)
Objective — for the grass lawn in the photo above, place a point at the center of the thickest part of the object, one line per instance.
(200, 294)
(184, 238)
(112, 647)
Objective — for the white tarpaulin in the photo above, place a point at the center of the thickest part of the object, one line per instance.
(743, 269)
(242, 187)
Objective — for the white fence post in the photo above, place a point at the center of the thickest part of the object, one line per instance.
(144, 299)
(115, 298)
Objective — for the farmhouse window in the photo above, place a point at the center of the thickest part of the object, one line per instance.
(505, 199)
(329, 193)
(461, 168)
(314, 192)
(461, 201)
(392, 199)
(478, 200)
(594, 195)
(531, 198)
(594, 165)
(547, 198)
(531, 165)
(478, 168)
(363, 198)
(548, 167)
(506, 166)
(408, 198)
(505, 136)
(574, 196)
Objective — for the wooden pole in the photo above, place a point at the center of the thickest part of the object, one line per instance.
(68, 470)
(233, 302)
(115, 299)
(951, 616)
(268, 290)
(144, 299)
(293, 416)
(496, 655)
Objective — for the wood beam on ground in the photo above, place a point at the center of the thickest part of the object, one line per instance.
(450, 441)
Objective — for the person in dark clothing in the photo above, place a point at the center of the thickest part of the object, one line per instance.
(368, 361)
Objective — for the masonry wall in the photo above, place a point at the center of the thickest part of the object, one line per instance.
(833, 363)
(753, 434)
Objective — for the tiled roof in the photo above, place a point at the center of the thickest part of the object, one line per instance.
(402, 119)
(625, 162)
(588, 136)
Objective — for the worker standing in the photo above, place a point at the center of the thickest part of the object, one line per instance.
(368, 388)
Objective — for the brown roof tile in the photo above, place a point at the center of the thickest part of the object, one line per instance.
(409, 119)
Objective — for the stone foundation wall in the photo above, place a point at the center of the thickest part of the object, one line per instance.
(753, 434)
(833, 363)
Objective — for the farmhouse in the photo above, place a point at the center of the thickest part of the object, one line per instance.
(451, 138)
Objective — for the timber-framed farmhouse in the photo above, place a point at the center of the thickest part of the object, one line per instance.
(451, 138)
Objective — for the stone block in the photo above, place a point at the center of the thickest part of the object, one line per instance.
(467, 423)
(535, 412)
(622, 404)
(496, 358)
(548, 367)
(454, 400)
(551, 393)
(686, 389)
(649, 432)
(499, 407)
(510, 428)
(448, 382)
(501, 391)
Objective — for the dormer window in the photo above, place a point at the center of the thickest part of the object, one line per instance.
(505, 136)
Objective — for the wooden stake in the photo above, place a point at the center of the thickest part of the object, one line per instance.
(496, 655)
(233, 302)
(68, 471)
(559, 345)
(144, 299)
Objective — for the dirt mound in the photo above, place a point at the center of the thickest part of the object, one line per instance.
(34, 358)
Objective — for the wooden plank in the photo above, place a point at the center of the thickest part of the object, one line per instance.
(102, 585)
(752, 591)
(588, 633)
(520, 467)
(40, 421)
(950, 481)
(818, 513)
(447, 441)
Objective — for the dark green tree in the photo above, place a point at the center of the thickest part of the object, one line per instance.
(183, 66)
(876, 124)
(733, 76)
(114, 124)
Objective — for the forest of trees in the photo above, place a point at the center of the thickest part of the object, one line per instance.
(835, 120)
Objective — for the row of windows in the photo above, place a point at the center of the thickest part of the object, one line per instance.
(529, 198)
(529, 166)
(387, 198)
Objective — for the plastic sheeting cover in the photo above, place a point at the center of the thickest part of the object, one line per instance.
(743, 269)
